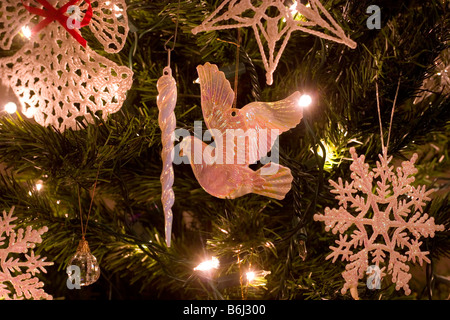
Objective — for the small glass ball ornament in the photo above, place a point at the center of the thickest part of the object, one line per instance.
(89, 271)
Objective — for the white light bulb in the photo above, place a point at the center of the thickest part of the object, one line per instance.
(38, 186)
(250, 276)
(117, 9)
(208, 265)
(26, 31)
(305, 100)
(11, 107)
(293, 8)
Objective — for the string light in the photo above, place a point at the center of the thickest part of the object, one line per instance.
(11, 107)
(208, 265)
(304, 101)
(327, 151)
(26, 32)
(117, 9)
(333, 155)
(294, 12)
(293, 8)
(37, 187)
(257, 278)
(251, 276)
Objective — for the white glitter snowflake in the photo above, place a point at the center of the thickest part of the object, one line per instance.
(15, 284)
(385, 207)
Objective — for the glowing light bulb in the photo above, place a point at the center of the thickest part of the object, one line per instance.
(26, 31)
(293, 8)
(304, 101)
(250, 276)
(208, 265)
(10, 107)
(117, 9)
(257, 278)
(39, 186)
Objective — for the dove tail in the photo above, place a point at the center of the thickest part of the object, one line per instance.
(276, 181)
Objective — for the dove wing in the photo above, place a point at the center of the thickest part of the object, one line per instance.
(269, 120)
(217, 98)
(251, 130)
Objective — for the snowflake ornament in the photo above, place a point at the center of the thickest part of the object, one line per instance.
(14, 284)
(387, 213)
(270, 30)
(55, 75)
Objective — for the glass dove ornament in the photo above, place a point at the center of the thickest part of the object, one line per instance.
(86, 261)
(55, 75)
(241, 137)
(166, 101)
(271, 30)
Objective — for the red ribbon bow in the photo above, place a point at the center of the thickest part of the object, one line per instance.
(52, 14)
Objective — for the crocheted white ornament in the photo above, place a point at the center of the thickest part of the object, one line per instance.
(55, 75)
(386, 212)
(246, 13)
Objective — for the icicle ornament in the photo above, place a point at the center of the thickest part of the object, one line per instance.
(166, 101)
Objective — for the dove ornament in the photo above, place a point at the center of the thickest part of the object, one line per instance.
(241, 137)
(166, 101)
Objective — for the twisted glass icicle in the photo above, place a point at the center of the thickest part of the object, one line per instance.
(166, 101)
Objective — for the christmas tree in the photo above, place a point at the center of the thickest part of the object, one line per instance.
(96, 175)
